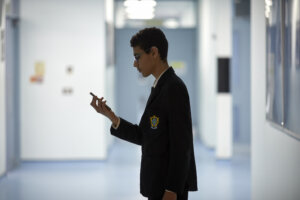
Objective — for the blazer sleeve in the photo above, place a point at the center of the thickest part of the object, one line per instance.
(128, 131)
(180, 138)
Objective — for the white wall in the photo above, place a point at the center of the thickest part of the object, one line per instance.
(110, 70)
(110, 97)
(275, 160)
(2, 96)
(61, 33)
(215, 41)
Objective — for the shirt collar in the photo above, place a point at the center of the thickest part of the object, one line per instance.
(156, 81)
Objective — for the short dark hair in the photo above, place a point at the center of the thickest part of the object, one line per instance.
(151, 37)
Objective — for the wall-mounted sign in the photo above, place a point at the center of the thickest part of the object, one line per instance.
(179, 67)
(69, 69)
(67, 90)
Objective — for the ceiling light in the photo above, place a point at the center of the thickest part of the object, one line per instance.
(140, 9)
(129, 3)
(171, 23)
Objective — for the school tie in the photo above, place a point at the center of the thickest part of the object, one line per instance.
(151, 95)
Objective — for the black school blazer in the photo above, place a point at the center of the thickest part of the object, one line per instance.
(165, 134)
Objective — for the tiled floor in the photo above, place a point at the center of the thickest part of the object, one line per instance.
(117, 178)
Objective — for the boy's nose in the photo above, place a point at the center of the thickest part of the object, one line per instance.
(135, 63)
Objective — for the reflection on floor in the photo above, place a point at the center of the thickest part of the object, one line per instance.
(117, 178)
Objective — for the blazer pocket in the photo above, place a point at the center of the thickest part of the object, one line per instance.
(153, 175)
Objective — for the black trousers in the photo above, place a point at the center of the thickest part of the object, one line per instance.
(183, 196)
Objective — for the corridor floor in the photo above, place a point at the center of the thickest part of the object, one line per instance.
(117, 178)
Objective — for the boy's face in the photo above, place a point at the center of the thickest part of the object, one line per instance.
(143, 61)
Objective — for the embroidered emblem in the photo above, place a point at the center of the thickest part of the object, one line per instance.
(154, 122)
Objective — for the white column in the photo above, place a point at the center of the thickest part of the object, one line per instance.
(214, 41)
(224, 126)
(2, 95)
(207, 73)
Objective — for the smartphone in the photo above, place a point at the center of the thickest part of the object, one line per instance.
(105, 105)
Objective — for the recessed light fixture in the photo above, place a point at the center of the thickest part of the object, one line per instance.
(140, 9)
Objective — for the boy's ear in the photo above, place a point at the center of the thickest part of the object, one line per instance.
(155, 52)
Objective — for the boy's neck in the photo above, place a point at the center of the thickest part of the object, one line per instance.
(160, 69)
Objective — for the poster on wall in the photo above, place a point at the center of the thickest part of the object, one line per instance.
(39, 72)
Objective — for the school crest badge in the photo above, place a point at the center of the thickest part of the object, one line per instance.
(154, 122)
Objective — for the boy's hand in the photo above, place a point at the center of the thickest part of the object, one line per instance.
(169, 195)
(100, 106)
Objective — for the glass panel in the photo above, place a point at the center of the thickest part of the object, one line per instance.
(292, 66)
(274, 67)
